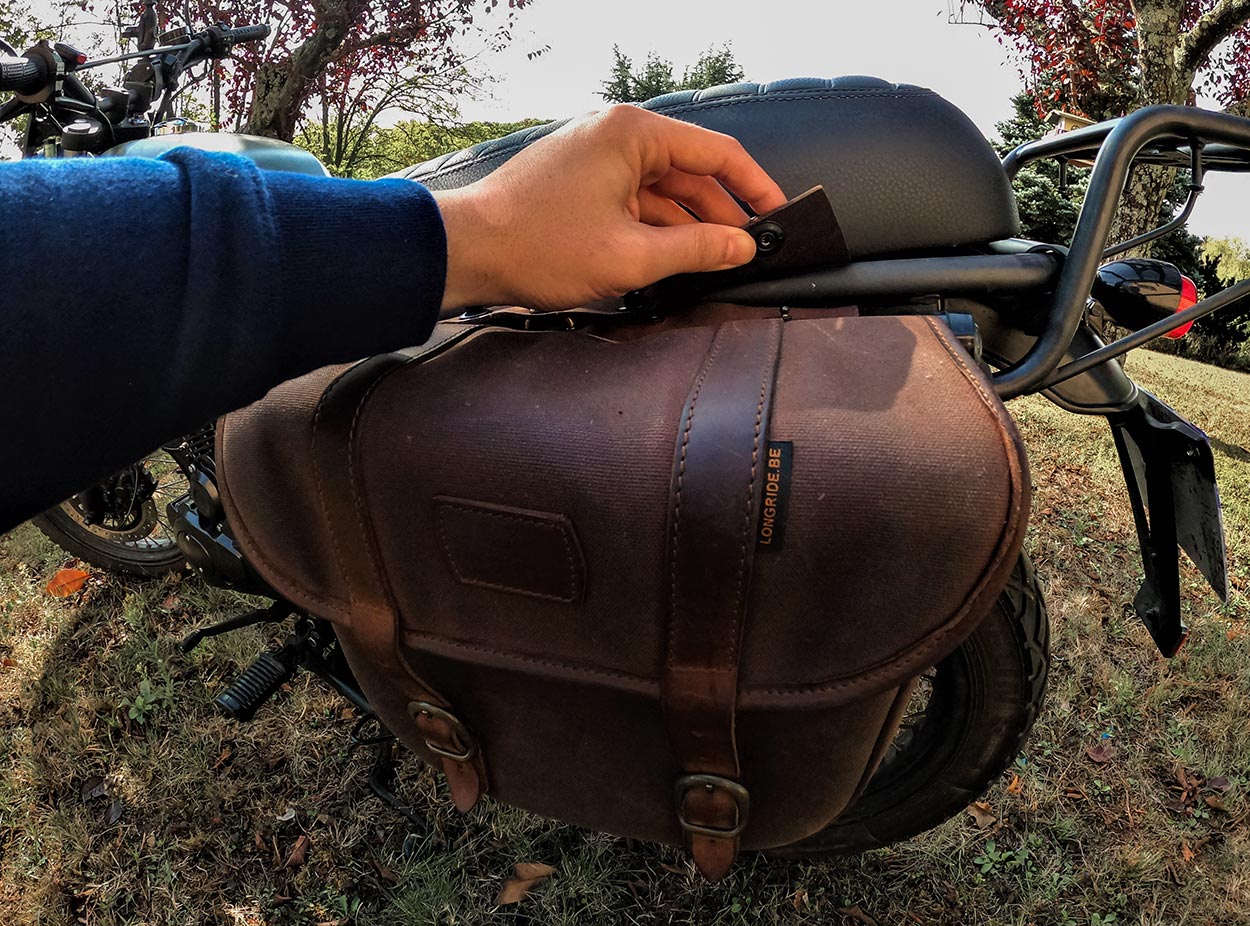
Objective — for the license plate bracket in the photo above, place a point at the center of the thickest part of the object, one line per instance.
(1170, 473)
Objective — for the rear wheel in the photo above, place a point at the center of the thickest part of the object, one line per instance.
(119, 524)
(967, 721)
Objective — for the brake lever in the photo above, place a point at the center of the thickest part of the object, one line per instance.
(798, 236)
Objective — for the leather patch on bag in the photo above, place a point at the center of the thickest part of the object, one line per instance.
(770, 532)
(532, 553)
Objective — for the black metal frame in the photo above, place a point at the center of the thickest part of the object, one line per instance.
(1209, 139)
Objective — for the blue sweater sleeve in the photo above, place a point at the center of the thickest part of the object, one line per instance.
(143, 298)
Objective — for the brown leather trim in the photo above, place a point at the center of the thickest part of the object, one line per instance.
(888, 731)
(510, 549)
(713, 506)
(375, 629)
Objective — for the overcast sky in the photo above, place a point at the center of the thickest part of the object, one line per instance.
(907, 41)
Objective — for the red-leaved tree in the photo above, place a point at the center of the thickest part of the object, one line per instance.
(1103, 58)
(348, 49)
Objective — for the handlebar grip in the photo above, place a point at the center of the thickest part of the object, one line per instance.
(22, 73)
(247, 33)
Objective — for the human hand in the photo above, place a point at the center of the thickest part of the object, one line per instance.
(592, 211)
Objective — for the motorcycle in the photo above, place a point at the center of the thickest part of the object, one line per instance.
(1018, 307)
(118, 524)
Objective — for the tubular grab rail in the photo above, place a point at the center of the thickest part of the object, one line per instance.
(1118, 143)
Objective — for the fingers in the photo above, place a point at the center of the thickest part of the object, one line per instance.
(702, 195)
(700, 151)
(655, 209)
(690, 249)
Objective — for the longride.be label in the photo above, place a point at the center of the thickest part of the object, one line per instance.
(777, 459)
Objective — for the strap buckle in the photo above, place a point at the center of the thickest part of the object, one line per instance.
(740, 796)
(459, 732)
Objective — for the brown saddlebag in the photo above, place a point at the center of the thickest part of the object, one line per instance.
(670, 582)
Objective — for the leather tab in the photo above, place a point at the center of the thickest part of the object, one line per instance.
(375, 624)
(714, 503)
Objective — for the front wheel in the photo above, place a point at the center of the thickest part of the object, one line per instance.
(119, 524)
(967, 721)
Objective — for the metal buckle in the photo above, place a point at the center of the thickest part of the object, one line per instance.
(458, 730)
(741, 798)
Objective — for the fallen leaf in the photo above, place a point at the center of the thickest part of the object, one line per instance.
(1219, 783)
(114, 812)
(1177, 806)
(386, 874)
(981, 815)
(92, 788)
(527, 877)
(171, 601)
(299, 853)
(858, 915)
(1015, 787)
(1215, 802)
(673, 869)
(7, 662)
(1187, 853)
(1103, 752)
(222, 759)
(67, 582)
(534, 870)
(799, 898)
(1233, 633)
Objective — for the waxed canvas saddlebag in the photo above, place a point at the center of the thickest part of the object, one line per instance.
(671, 581)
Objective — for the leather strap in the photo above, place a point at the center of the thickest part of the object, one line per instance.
(375, 625)
(714, 502)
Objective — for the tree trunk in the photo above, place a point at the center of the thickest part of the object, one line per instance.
(1163, 80)
(283, 87)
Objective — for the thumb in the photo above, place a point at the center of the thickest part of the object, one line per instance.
(694, 247)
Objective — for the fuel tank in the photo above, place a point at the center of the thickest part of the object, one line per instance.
(268, 153)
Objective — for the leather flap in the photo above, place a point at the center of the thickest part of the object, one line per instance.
(901, 509)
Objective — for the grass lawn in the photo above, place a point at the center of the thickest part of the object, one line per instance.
(178, 816)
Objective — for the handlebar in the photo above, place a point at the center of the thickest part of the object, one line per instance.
(22, 74)
(217, 41)
(241, 34)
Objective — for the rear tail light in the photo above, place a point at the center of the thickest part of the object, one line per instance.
(1189, 297)
(1137, 292)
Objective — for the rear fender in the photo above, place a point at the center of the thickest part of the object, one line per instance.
(1170, 473)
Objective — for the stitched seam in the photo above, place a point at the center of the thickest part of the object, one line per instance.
(735, 626)
(550, 525)
(277, 576)
(351, 477)
(796, 95)
(954, 622)
(681, 474)
(325, 508)
(774, 96)
(418, 636)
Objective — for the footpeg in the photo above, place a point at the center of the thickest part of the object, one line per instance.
(309, 647)
(259, 682)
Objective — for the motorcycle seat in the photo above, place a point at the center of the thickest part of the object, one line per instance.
(905, 170)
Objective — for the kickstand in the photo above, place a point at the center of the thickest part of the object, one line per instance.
(275, 612)
(382, 779)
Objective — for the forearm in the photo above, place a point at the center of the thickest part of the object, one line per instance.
(151, 297)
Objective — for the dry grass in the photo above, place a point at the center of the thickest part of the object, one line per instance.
(210, 810)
